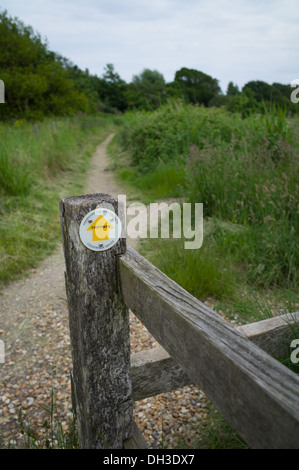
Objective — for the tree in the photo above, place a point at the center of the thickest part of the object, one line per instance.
(38, 82)
(244, 103)
(196, 86)
(232, 89)
(111, 89)
(271, 95)
(147, 90)
(262, 91)
(281, 96)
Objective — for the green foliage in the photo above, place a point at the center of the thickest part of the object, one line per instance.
(164, 181)
(244, 171)
(195, 86)
(256, 96)
(35, 171)
(232, 89)
(262, 91)
(200, 272)
(272, 130)
(256, 186)
(37, 81)
(243, 103)
(147, 90)
(15, 177)
(166, 135)
(111, 89)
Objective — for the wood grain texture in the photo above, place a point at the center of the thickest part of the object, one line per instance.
(273, 334)
(256, 394)
(99, 331)
(153, 371)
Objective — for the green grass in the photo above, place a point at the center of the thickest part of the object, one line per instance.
(216, 433)
(200, 272)
(55, 435)
(164, 182)
(219, 435)
(244, 171)
(286, 359)
(35, 172)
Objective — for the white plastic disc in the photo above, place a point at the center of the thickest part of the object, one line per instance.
(100, 229)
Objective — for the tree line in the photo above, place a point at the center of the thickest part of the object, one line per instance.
(39, 83)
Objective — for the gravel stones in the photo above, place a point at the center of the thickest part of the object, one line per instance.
(34, 327)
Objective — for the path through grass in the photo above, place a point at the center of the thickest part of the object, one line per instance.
(35, 172)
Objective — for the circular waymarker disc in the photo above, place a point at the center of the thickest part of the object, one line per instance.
(100, 229)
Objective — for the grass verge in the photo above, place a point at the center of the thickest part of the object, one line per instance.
(36, 171)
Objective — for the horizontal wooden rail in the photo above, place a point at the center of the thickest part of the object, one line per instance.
(154, 371)
(273, 334)
(255, 393)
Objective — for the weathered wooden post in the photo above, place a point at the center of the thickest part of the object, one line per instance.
(99, 328)
(54, 128)
(35, 127)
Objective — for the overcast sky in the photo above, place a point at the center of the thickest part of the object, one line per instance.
(231, 40)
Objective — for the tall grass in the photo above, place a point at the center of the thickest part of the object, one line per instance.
(244, 171)
(35, 171)
(15, 178)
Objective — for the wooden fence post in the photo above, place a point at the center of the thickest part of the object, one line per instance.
(54, 128)
(35, 127)
(99, 330)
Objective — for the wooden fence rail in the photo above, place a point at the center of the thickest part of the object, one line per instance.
(256, 394)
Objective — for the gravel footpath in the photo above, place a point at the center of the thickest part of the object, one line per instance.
(34, 328)
(38, 360)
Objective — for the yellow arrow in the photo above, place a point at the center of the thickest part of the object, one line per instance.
(100, 229)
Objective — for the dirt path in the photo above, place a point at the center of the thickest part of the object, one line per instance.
(34, 328)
